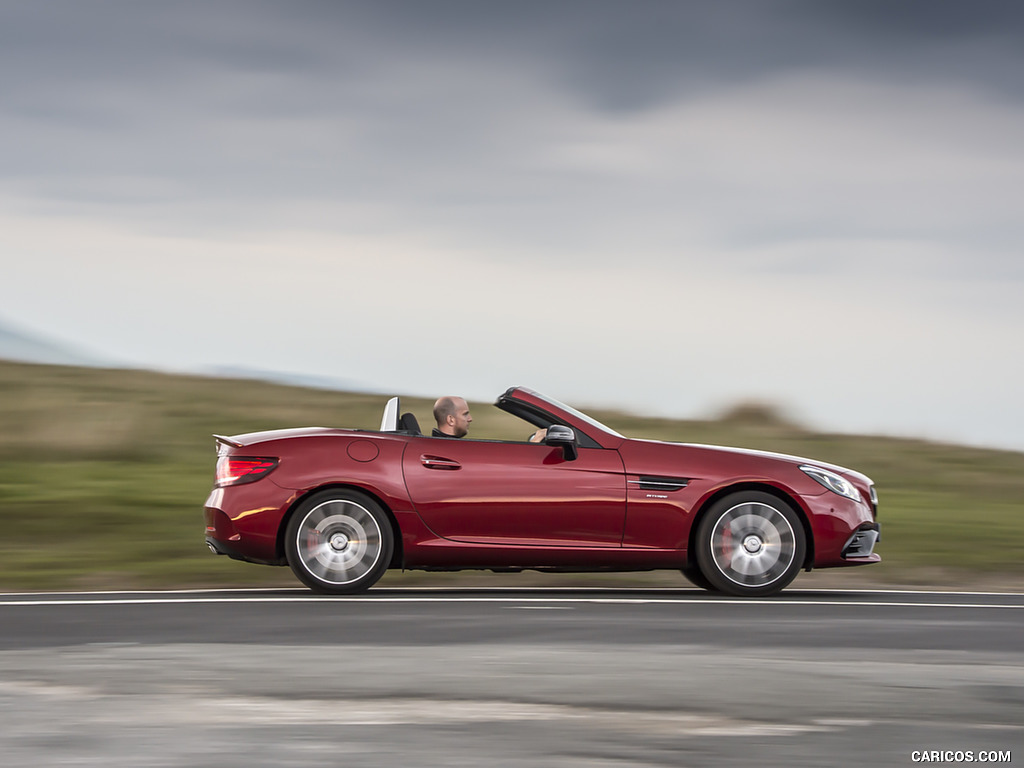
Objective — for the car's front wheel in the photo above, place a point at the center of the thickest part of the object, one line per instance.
(693, 574)
(339, 542)
(750, 544)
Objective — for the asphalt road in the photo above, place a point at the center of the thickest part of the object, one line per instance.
(539, 677)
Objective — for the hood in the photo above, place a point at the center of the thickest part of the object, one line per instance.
(798, 460)
(696, 455)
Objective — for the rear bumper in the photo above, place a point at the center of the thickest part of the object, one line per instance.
(241, 524)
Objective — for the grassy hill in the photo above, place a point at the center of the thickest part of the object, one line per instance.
(103, 475)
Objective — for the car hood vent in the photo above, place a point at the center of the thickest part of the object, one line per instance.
(658, 483)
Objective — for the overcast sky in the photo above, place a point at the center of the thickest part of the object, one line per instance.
(667, 207)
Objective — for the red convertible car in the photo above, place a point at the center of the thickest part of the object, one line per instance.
(341, 506)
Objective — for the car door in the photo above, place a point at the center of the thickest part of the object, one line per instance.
(528, 494)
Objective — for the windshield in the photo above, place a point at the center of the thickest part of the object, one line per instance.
(581, 416)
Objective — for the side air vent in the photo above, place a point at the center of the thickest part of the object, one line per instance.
(656, 483)
(862, 543)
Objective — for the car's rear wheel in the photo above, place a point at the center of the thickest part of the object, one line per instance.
(750, 544)
(339, 542)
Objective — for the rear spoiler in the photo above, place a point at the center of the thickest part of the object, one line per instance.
(228, 441)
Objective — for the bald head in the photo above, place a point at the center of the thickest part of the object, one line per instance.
(452, 416)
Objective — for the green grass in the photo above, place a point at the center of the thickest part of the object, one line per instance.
(103, 474)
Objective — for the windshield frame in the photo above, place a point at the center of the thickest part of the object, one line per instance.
(531, 399)
(590, 420)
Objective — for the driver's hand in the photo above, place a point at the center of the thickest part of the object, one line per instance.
(538, 436)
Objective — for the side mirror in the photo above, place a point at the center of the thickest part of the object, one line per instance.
(565, 437)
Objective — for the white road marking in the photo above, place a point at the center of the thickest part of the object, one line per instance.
(791, 591)
(371, 599)
(159, 591)
(541, 607)
(532, 589)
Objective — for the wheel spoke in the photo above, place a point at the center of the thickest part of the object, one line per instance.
(753, 544)
(339, 541)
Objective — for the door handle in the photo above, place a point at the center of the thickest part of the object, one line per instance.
(439, 462)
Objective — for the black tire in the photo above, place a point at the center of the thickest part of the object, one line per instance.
(750, 544)
(693, 574)
(339, 542)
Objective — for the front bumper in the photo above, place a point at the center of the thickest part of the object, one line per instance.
(845, 531)
(862, 543)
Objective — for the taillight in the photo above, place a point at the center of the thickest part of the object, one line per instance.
(235, 470)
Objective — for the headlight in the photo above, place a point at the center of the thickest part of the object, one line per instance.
(835, 483)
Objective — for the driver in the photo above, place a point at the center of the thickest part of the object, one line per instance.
(452, 417)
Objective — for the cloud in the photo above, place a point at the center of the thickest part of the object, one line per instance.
(637, 203)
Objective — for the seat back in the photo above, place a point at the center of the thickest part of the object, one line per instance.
(409, 424)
